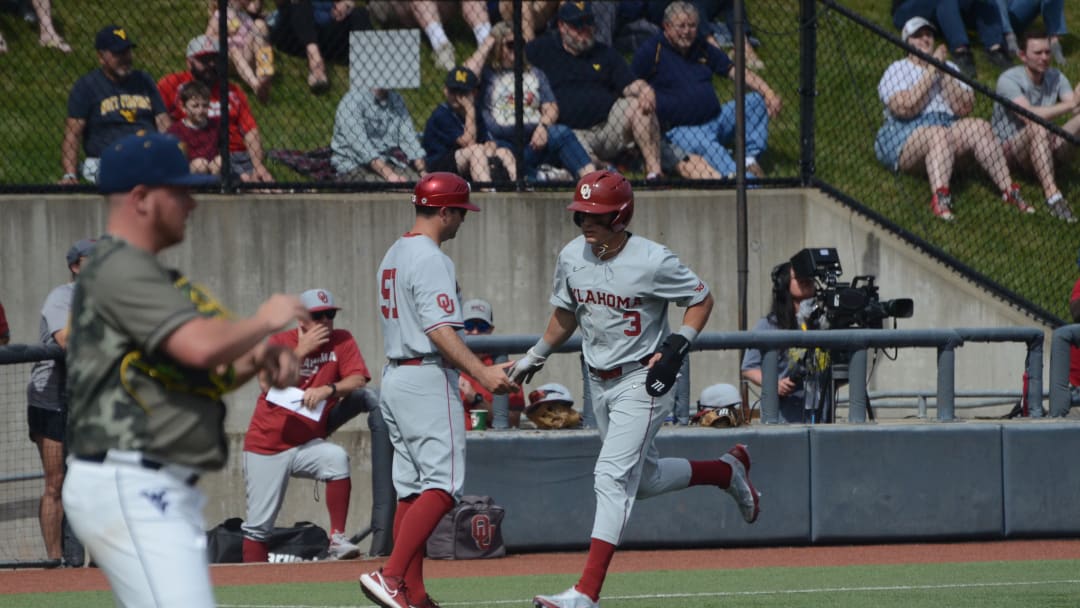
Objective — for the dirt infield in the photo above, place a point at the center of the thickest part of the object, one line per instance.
(89, 579)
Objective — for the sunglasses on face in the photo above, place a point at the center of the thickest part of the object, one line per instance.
(323, 314)
(477, 325)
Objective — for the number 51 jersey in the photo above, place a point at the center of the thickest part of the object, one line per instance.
(621, 303)
(417, 294)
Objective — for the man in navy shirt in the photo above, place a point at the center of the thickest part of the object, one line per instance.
(456, 139)
(107, 104)
(679, 64)
(598, 96)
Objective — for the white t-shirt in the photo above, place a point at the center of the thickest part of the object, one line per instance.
(902, 75)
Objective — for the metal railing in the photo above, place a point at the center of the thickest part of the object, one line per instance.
(855, 341)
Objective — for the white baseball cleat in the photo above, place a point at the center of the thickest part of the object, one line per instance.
(571, 598)
(341, 548)
(740, 487)
(386, 591)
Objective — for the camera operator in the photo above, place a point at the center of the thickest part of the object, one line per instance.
(804, 382)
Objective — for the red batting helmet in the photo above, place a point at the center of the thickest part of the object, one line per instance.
(441, 189)
(603, 192)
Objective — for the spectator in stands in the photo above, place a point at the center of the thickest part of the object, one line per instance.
(374, 138)
(107, 104)
(318, 30)
(924, 125)
(429, 15)
(534, 15)
(547, 141)
(5, 329)
(1017, 15)
(791, 308)
(249, 46)
(197, 130)
(47, 406)
(246, 159)
(480, 321)
(953, 17)
(679, 65)
(1046, 92)
(48, 37)
(637, 21)
(598, 97)
(281, 443)
(457, 141)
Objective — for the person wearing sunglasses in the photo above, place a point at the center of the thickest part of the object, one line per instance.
(281, 443)
(480, 321)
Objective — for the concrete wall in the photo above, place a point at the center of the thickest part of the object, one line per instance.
(244, 248)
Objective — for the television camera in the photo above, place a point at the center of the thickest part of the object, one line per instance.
(842, 305)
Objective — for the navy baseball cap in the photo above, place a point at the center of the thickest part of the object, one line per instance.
(80, 249)
(576, 14)
(461, 79)
(148, 159)
(113, 38)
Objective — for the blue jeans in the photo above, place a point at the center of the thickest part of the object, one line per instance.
(563, 148)
(953, 17)
(1018, 14)
(708, 138)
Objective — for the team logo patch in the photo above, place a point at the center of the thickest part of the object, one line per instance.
(586, 191)
(483, 531)
(446, 303)
(322, 297)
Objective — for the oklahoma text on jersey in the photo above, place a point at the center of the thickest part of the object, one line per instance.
(595, 296)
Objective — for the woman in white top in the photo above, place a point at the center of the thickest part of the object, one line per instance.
(924, 124)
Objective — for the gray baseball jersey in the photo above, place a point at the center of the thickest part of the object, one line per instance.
(621, 308)
(621, 304)
(417, 293)
(420, 403)
(46, 386)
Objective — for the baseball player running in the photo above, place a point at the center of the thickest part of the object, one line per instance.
(616, 287)
(421, 315)
(149, 357)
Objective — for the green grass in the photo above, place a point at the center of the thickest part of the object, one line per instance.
(1039, 584)
(1032, 256)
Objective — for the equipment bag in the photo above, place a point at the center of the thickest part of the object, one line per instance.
(471, 530)
(302, 542)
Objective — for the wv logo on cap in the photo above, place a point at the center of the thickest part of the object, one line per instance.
(460, 76)
(120, 33)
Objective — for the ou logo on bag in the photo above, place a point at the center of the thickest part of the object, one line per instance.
(483, 531)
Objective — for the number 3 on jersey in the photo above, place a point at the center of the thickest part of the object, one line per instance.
(634, 318)
(388, 293)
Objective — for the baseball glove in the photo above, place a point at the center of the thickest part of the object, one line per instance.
(721, 417)
(554, 416)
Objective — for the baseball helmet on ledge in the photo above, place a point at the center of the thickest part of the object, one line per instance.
(603, 192)
(441, 189)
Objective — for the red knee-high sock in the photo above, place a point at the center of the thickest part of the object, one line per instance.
(255, 551)
(414, 572)
(596, 567)
(710, 473)
(337, 502)
(415, 527)
(415, 591)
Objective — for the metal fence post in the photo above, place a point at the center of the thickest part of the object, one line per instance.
(1060, 341)
(807, 87)
(1034, 368)
(946, 383)
(857, 398)
(500, 405)
(770, 399)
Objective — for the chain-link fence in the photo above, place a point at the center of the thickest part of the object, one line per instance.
(361, 95)
(925, 147)
(299, 112)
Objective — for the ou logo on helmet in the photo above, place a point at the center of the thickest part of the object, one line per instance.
(586, 191)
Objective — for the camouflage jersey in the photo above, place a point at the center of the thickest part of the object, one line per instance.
(126, 393)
